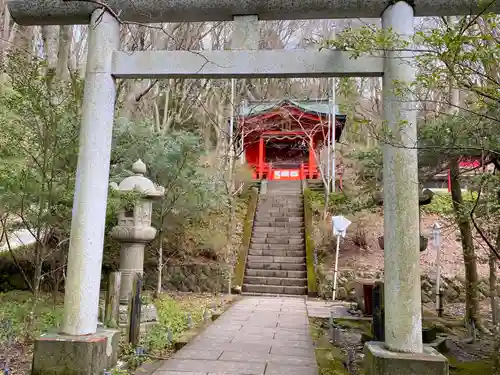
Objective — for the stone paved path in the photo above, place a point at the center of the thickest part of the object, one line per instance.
(256, 336)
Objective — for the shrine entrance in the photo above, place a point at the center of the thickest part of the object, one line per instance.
(286, 156)
(283, 140)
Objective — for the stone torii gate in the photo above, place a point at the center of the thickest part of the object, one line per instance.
(55, 354)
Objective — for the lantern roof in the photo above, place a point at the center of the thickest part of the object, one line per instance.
(139, 183)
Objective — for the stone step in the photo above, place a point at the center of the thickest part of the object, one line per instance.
(278, 224)
(281, 236)
(278, 230)
(266, 246)
(276, 266)
(285, 281)
(277, 241)
(294, 213)
(277, 253)
(289, 219)
(281, 192)
(279, 209)
(276, 273)
(280, 205)
(282, 187)
(282, 198)
(275, 259)
(274, 204)
(278, 189)
(274, 289)
(279, 219)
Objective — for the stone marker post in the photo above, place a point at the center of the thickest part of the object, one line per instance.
(134, 230)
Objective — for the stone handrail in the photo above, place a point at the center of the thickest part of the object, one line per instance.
(239, 270)
(312, 287)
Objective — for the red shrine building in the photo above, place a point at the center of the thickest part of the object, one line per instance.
(282, 140)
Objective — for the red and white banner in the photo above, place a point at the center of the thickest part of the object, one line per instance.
(286, 174)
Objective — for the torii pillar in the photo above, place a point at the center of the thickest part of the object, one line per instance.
(403, 352)
(80, 347)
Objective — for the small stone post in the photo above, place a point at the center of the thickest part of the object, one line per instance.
(436, 236)
(134, 229)
(378, 311)
(134, 308)
(112, 300)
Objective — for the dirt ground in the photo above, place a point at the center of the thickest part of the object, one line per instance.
(371, 258)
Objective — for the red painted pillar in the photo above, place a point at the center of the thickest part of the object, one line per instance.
(261, 158)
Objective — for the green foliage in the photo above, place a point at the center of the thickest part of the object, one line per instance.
(28, 316)
(442, 204)
(457, 367)
(341, 203)
(38, 155)
(38, 147)
(171, 315)
(464, 50)
(366, 40)
(193, 195)
(370, 165)
(330, 358)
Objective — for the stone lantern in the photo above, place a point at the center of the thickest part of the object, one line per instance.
(134, 228)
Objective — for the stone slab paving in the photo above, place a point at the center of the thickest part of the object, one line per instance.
(322, 309)
(256, 336)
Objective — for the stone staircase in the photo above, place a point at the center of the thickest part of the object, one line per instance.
(276, 262)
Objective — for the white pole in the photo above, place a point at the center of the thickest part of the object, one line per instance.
(333, 124)
(242, 150)
(336, 268)
(333, 133)
(81, 298)
(328, 153)
(231, 126)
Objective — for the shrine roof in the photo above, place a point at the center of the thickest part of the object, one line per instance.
(319, 106)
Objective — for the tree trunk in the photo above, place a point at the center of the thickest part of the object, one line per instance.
(64, 49)
(23, 42)
(37, 277)
(493, 282)
(464, 225)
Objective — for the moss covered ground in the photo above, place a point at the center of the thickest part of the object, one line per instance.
(331, 359)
